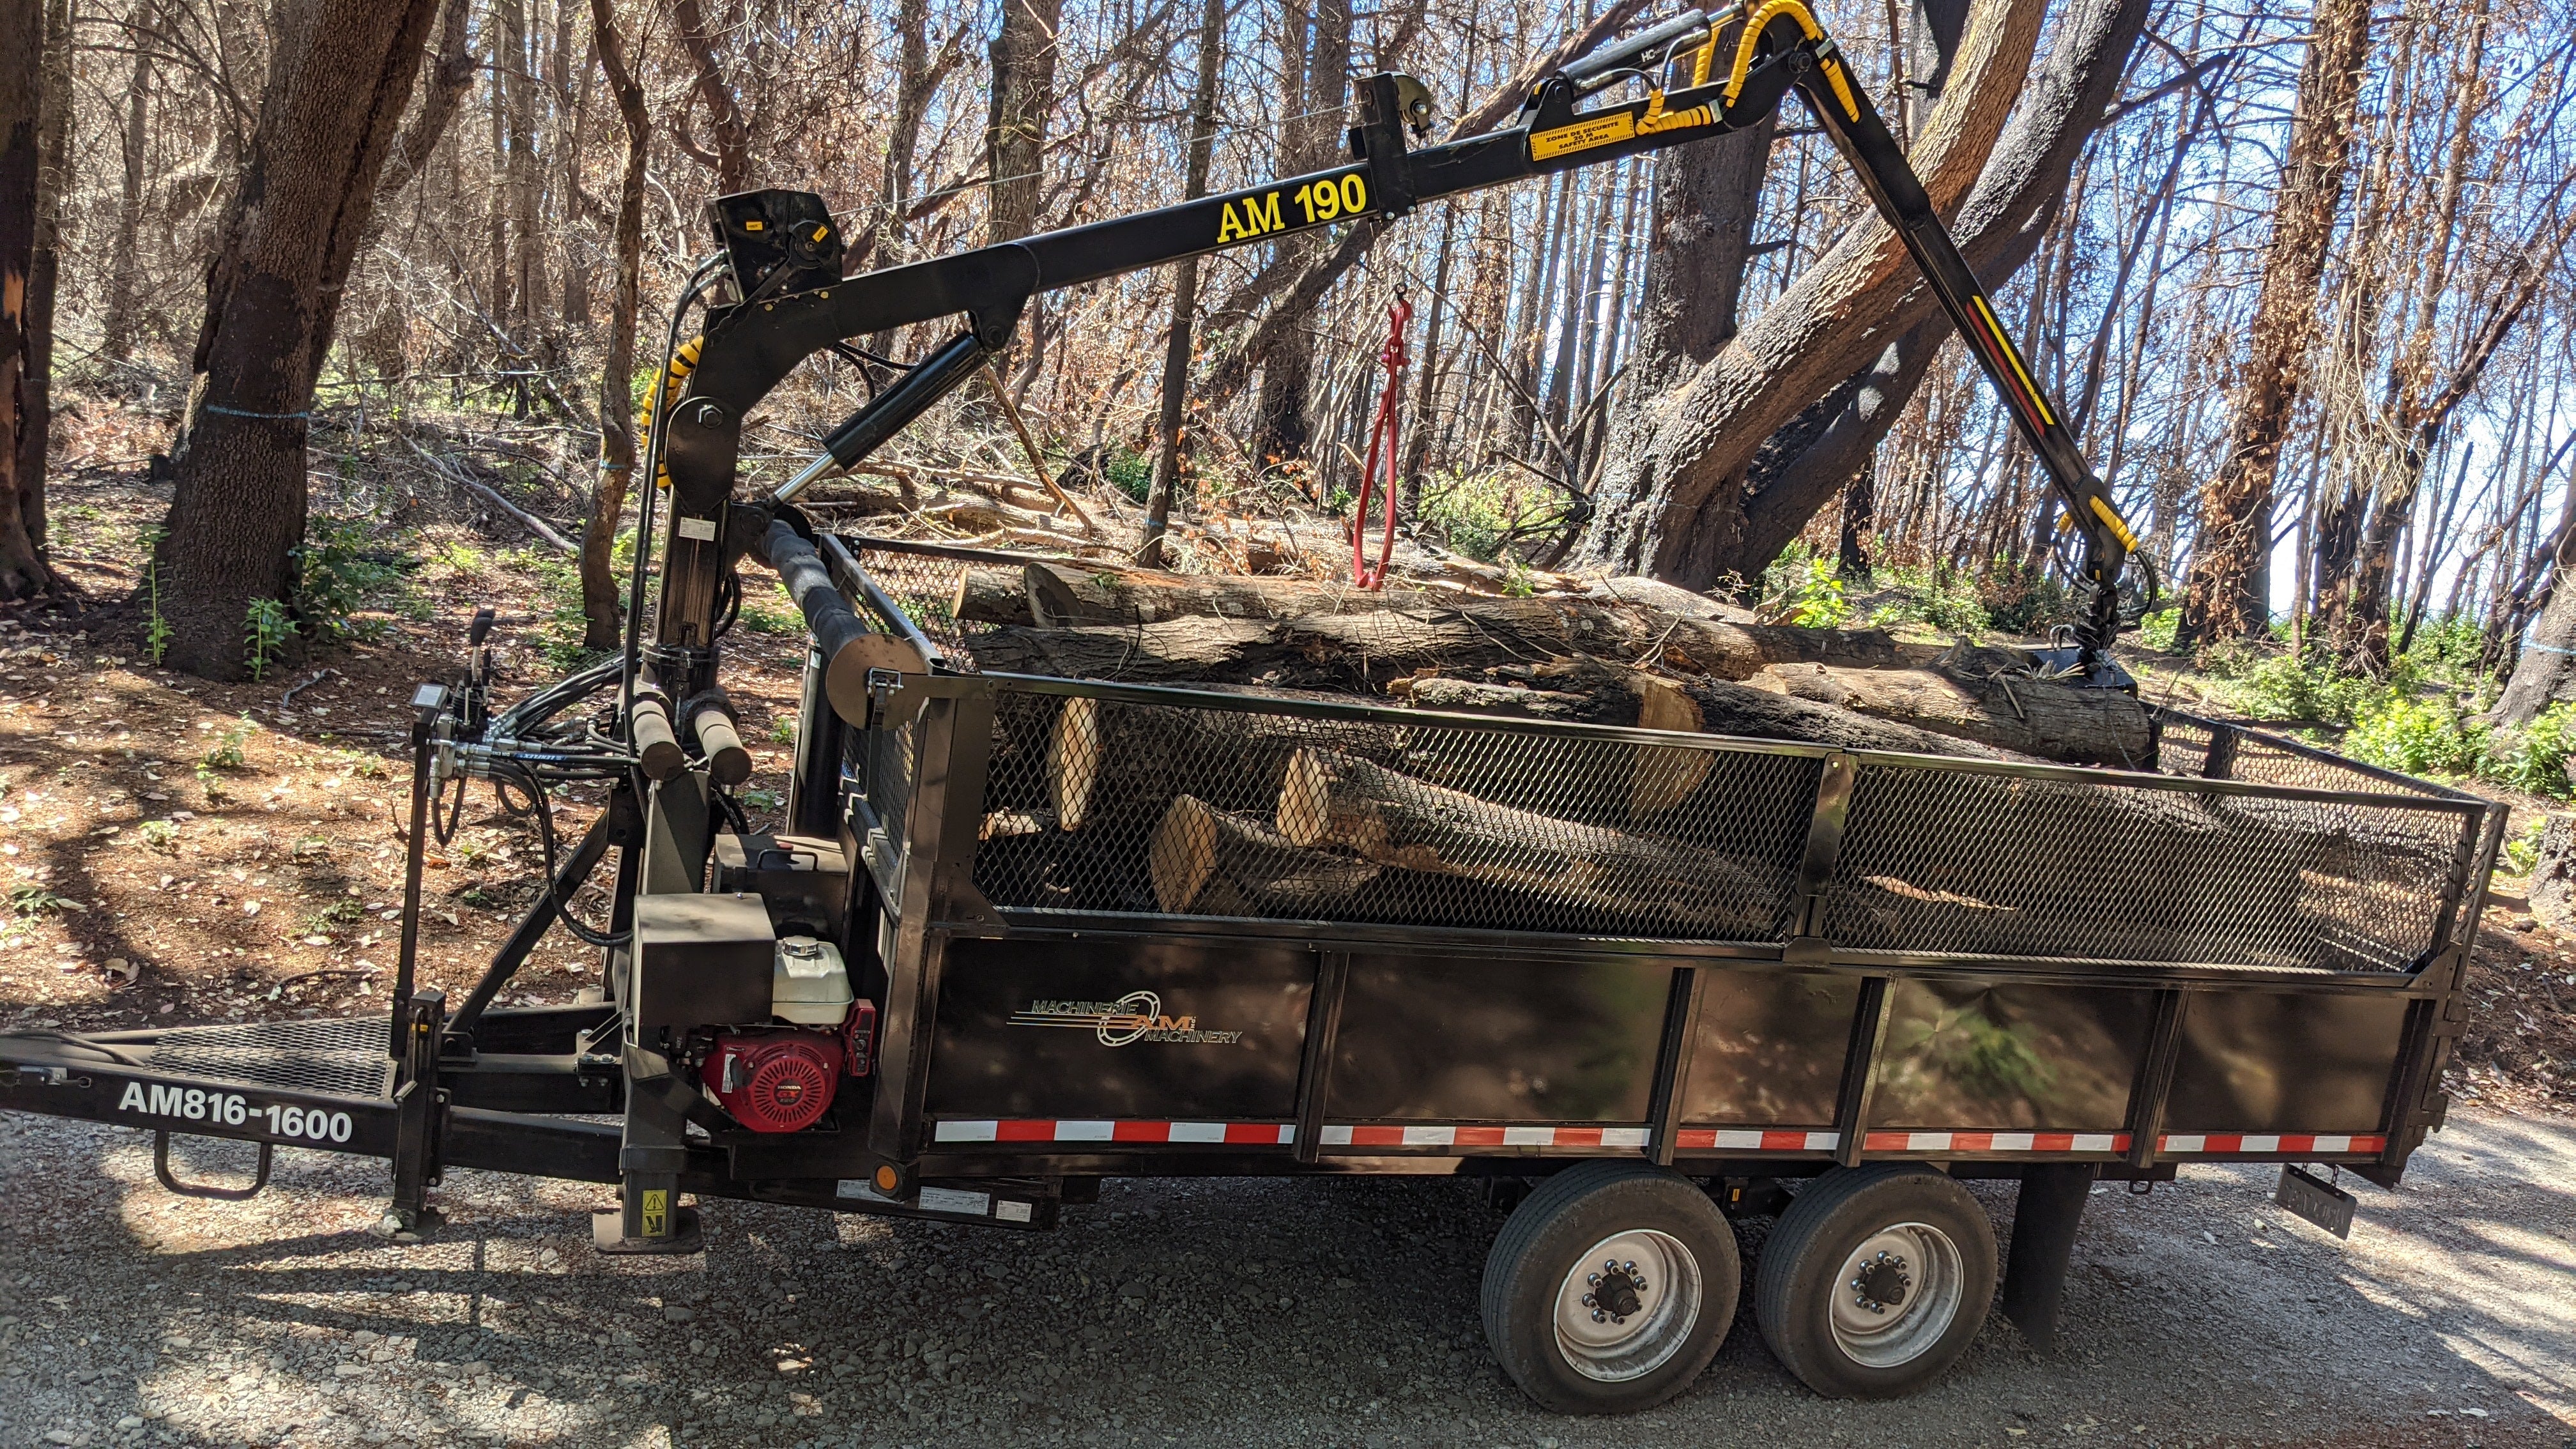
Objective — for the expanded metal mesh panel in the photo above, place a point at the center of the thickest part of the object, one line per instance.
(342, 1058)
(880, 765)
(1103, 805)
(1958, 862)
(2185, 746)
(930, 591)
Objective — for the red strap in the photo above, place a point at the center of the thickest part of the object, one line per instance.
(1383, 436)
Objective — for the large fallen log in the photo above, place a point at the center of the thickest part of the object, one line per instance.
(2025, 716)
(1334, 800)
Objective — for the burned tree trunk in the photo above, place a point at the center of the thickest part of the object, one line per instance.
(617, 439)
(2025, 716)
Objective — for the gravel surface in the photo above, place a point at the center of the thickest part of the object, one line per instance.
(1336, 1312)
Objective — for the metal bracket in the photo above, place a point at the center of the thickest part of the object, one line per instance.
(161, 1170)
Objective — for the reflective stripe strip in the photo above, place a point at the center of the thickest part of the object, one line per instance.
(1689, 1139)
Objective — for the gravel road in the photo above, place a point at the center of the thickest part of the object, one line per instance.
(1318, 1312)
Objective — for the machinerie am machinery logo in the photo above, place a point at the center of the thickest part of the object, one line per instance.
(1134, 1017)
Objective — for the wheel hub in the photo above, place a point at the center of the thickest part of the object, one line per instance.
(1627, 1306)
(1881, 1283)
(1618, 1290)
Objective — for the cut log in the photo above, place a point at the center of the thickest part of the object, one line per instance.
(1073, 761)
(1659, 779)
(987, 594)
(1213, 862)
(2025, 716)
(1640, 881)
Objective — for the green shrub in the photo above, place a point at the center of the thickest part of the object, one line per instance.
(265, 629)
(2418, 736)
(1940, 596)
(2534, 758)
(2156, 630)
(2023, 598)
(1129, 472)
(335, 576)
(1803, 587)
(1478, 513)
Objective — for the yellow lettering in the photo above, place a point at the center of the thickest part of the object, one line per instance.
(1265, 213)
(1229, 229)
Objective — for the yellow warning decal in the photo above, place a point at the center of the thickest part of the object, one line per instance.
(1583, 135)
(657, 1212)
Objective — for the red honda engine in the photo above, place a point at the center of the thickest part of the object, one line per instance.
(774, 1081)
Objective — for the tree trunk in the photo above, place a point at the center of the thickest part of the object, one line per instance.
(1210, 862)
(125, 257)
(451, 75)
(2544, 673)
(334, 99)
(1023, 56)
(1308, 135)
(617, 438)
(1673, 507)
(2025, 716)
(23, 345)
(730, 129)
(1177, 343)
(2227, 596)
(2553, 878)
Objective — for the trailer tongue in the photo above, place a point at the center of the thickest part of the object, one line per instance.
(1023, 933)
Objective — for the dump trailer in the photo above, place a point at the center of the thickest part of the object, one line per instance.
(1023, 933)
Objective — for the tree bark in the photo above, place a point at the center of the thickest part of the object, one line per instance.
(335, 96)
(601, 621)
(1346, 803)
(2227, 594)
(23, 420)
(2025, 716)
(1023, 56)
(1308, 133)
(1673, 507)
(451, 75)
(1177, 343)
(729, 127)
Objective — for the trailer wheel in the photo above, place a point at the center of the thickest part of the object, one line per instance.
(1875, 1280)
(1610, 1288)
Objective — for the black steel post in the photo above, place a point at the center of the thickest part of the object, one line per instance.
(533, 926)
(420, 1106)
(2051, 1206)
(427, 705)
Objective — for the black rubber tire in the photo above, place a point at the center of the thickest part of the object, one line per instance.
(1544, 1238)
(1796, 1277)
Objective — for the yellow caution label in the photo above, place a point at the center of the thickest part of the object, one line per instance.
(657, 1212)
(1583, 135)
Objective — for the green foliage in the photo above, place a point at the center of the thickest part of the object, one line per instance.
(226, 752)
(2023, 598)
(34, 900)
(156, 629)
(1803, 587)
(1477, 514)
(2522, 852)
(2425, 736)
(160, 835)
(335, 577)
(463, 558)
(760, 799)
(2156, 630)
(1129, 472)
(782, 730)
(1941, 596)
(2534, 759)
(265, 630)
(761, 614)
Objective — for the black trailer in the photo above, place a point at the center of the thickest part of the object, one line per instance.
(1914, 970)
(1025, 933)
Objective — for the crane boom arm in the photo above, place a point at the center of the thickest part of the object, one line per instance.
(784, 253)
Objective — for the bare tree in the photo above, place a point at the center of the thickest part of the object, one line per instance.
(23, 343)
(2226, 596)
(1185, 288)
(617, 439)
